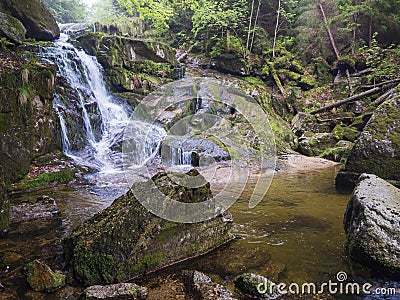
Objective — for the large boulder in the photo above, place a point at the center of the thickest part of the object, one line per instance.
(377, 150)
(12, 29)
(372, 224)
(37, 19)
(126, 240)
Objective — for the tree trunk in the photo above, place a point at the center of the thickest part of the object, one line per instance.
(249, 29)
(354, 98)
(228, 39)
(255, 24)
(328, 30)
(276, 27)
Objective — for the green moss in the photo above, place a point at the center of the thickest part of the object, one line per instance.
(63, 176)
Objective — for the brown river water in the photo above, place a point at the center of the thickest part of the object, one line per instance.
(295, 235)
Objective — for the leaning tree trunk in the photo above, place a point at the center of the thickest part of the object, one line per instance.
(276, 27)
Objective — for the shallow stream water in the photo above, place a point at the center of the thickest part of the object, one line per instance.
(294, 235)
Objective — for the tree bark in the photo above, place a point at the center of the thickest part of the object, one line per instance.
(328, 30)
(255, 24)
(278, 14)
(348, 100)
(249, 29)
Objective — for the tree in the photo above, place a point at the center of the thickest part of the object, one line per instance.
(67, 11)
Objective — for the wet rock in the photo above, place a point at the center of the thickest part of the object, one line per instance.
(372, 226)
(195, 152)
(37, 19)
(115, 291)
(128, 62)
(303, 122)
(126, 240)
(12, 29)
(256, 286)
(42, 279)
(315, 144)
(201, 287)
(377, 150)
(44, 208)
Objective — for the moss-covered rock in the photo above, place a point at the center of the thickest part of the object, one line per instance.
(372, 224)
(339, 152)
(12, 29)
(27, 120)
(315, 144)
(230, 63)
(347, 133)
(42, 279)
(256, 286)
(37, 19)
(131, 65)
(126, 240)
(377, 150)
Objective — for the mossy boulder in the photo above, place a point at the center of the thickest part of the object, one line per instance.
(377, 150)
(347, 133)
(36, 18)
(126, 240)
(42, 279)
(372, 224)
(339, 152)
(12, 29)
(311, 144)
(230, 63)
(255, 286)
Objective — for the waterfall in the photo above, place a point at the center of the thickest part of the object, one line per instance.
(92, 121)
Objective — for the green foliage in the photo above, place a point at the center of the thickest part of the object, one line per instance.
(383, 61)
(67, 11)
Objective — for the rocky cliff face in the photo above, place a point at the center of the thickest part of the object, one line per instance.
(27, 121)
(34, 16)
(130, 65)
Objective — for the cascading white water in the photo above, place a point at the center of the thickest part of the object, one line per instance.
(84, 76)
(104, 119)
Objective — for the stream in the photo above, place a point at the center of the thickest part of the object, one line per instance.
(295, 234)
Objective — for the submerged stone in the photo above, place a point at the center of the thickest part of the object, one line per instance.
(372, 224)
(42, 279)
(256, 286)
(115, 291)
(201, 287)
(126, 240)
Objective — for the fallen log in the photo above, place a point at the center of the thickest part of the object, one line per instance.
(355, 97)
